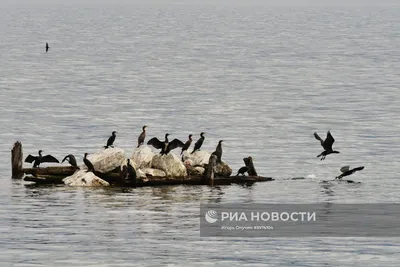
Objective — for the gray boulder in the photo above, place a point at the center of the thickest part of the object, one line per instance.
(141, 157)
(223, 169)
(106, 160)
(198, 158)
(171, 164)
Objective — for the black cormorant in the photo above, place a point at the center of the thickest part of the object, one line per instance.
(40, 159)
(199, 142)
(71, 159)
(165, 146)
(218, 151)
(242, 170)
(142, 136)
(128, 174)
(187, 144)
(327, 145)
(88, 164)
(346, 171)
(47, 47)
(111, 140)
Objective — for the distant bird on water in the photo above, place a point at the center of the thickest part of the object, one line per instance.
(346, 171)
(199, 142)
(40, 159)
(111, 140)
(218, 151)
(71, 159)
(88, 164)
(47, 47)
(326, 144)
(187, 144)
(142, 136)
(165, 146)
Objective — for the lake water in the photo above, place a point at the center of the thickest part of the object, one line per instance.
(261, 78)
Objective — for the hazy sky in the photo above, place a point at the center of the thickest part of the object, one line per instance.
(225, 2)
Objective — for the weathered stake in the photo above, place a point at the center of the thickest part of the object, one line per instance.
(211, 167)
(249, 163)
(16, 161)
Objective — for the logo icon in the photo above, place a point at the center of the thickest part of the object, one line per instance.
(211, 216)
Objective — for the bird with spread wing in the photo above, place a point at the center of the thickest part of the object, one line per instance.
(165, 146)
(37, 160)
(326, 144)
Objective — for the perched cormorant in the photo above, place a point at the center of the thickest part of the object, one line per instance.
(40, 159)
(88, 164)
(199, 142)
(71, 159)
(128, 174)
(47, 47)
(242, 170)
(165, 146)
(218, 151)
(187, 144)
(142, 136)
(327, 145)
(111, 140)
(346, 171)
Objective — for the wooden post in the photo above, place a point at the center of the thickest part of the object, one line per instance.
(250, 165)
(209, 173)
(16, 161)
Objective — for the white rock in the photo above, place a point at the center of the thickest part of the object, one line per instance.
(106, 160)
(171, 164)
(154, 172)
(141, 157)
(198, 158)
(83, 178)
(140, 174)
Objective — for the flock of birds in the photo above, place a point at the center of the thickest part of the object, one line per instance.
(166, 146)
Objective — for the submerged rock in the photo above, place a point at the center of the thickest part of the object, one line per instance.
(106, 160)
(141, 157)
(83, 178)
(171, 164)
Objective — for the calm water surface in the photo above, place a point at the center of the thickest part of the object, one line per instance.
(261, 78)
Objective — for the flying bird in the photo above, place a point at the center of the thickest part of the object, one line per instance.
(165, 146)
(346, 171)
(47, 47)
(40, 159)
(199, 142)
(111, 140)
(326, 144)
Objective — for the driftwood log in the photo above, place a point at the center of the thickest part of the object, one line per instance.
(56, 174)
(159, 181)
(17, 161)
(251, 170)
